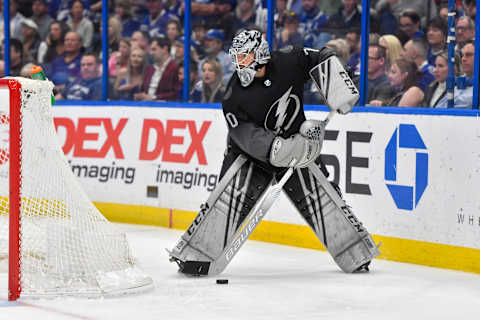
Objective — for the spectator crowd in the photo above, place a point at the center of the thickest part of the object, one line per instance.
(407, 56)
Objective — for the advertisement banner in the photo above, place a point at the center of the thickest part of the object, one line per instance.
(407, 176)
(143, 156)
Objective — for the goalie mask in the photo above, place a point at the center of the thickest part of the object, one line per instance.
(243, 44)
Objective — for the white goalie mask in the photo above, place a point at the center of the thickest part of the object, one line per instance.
(245, 42)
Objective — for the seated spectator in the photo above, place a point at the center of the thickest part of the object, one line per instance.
(80, 24)
(213, 43)
(436, 93)
(155, 23)
(114, 33)
(198, 35)
(289, 35)
(174, 31)
(464, 31)
(403, 76)
(345, 19)
(123, 13)
(129, 81)
(180, 52)
(464, 84)
(16, 57)
(409, 26)
(114, 36)
(31, 40)
(210, 88)
(119, 60)
(312, 21)
(161, 78)
(468, 54)
(89, 86)
(63, 9)
(416, 51)
(41, 17)
(379, 88)
(66, 67)
(53, 45)
(142, 39)
(193, 79)
(393, 46)
(436, 37)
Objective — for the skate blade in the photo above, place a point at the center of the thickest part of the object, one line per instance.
(195, 268)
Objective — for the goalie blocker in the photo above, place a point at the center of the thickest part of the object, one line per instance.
(335, 85)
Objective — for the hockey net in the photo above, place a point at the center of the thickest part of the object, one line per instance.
(55, 241)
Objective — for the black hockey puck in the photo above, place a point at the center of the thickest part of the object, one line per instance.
(222, 281)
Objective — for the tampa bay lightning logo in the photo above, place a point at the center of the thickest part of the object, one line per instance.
(406, 136)
(283, 112)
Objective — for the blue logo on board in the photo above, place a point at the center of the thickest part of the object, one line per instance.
(406, 136)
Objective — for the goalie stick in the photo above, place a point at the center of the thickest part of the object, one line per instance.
(252, 220)
(340, 97)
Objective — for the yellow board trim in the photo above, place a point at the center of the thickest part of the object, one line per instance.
(395, 249)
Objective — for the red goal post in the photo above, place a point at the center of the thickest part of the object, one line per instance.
(13, 157)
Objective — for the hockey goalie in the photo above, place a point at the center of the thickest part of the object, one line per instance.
(272, 147)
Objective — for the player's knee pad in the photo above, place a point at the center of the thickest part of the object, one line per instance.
(322, 207)
(237, 192)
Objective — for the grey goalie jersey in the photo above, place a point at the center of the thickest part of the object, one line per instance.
(271, 105)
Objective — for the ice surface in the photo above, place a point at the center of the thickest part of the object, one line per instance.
(268, 281)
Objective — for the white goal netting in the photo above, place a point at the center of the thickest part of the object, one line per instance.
(67, 246)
